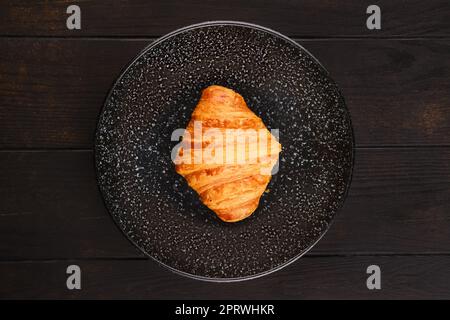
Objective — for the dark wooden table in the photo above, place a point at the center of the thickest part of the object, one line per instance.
(396, 81)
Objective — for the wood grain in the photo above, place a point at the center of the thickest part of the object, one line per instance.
(396, 81)
(50, 207)
(52, 91)
(306, 18)
(307, 278)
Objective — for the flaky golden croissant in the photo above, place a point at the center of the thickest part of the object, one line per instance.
(227, 154)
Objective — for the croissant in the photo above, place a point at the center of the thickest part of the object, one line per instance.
(227, 154)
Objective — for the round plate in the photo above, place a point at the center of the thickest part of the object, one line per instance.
(284, 85)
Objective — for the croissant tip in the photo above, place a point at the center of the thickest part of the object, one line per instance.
(230, 220)
(219, 87)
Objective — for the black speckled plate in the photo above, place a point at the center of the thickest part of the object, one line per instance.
(283, 84)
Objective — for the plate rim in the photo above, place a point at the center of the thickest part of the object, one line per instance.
(197, 26)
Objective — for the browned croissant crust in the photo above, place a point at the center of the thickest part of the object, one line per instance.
(231, 189)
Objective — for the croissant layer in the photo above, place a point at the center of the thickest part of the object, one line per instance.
(227, 154)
